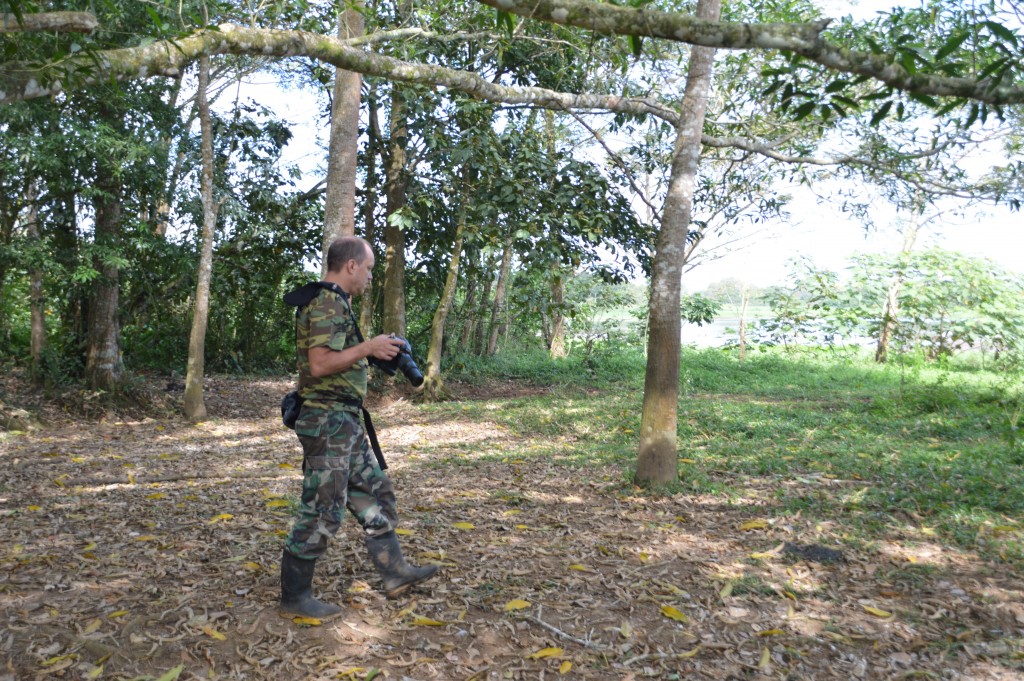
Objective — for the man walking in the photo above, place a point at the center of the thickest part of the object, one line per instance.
(339, 468)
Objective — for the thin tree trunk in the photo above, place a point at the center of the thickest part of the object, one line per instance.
(195, 408)
(891, 313)
(499, 297)
(103, 366)
(480, 338)
(469, 310)
(433, 385)
(372, 149)
(394, 235)
(340, 201)
(557, 347)
(35, 295)
(744, 302)
(656, 458)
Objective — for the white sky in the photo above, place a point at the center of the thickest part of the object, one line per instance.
(817, 230)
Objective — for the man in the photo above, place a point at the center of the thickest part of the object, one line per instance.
(339, 468)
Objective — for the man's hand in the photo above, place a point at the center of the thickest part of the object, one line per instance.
(385, 347)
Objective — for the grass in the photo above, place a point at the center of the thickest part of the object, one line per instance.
(872, 448)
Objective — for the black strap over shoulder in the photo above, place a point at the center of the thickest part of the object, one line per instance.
(301, 297)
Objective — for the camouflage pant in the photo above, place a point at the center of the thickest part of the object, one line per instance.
(339, 471)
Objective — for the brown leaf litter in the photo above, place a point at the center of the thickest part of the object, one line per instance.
(135, 547)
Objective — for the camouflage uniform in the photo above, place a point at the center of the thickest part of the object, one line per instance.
(339, 468)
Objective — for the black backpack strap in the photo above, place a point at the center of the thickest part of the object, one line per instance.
(371, 435)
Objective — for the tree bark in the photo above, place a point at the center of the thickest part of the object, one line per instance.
(469, 309)
(373, 148)
(744, 302)
(35, 295)
(499, 297)
(891, 312)
(52, 22)
(394, 235)
(103, 367)
(340, 201)
(557, 348)
(195, 407)
(656, 459)
(480, 330)
(433, 385)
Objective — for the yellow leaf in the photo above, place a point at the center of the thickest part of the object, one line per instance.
(689, 653)
(95, 673)
(146, 537)
(754, 525)
(687, 461)
(544, 653)
(517, 604)
(92, 626)
(771, 632)
(673, 614)
(726, 591)
(564, 667)
(253, 566)
(78, 459)
(277, 503)
(645, 557)
(1004, 529)
(307, 621)
(214, 634)
(421, 621)
(404, 531)
(131, 478)
(115, 615)
(513, 511)
(218, 518)
(173, 673)
(35, 508)
(522, 527)
(766, 658)
(407, 610)
(285, 465)
(464, 526)
(54, 660)
(580, 568)
(877, 612)
(160, 428)
(59, 481)
(91, 547)
(156, 495)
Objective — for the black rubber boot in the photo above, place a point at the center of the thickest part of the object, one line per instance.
(396, 573)
(297, 589)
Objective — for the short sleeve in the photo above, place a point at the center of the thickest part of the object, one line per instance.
(329, 323)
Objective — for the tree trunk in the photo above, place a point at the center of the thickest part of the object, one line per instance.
(103, 367)
(35, 291)
(480, 332)
(656, 459)
(394, 235)
(744, 303)
(557, 347)
(340, 201)
(372, 149)
(469, 310)
(891, 312)
(433, 385)
(499, 297)
(195, 408)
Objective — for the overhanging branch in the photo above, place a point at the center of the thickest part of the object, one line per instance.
(55, 22)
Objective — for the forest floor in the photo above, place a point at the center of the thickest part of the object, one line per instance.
(139, 547)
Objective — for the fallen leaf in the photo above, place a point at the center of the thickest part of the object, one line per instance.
(673, 614)
(146, 537)
(690, 653)
(877, 612)
(687, 461)
(35, 508)
(404, 532)
(173, 673)
(754, 525)
(766, 658)
(157, 495)
(219, 517)
(516, 604)
(580, 568)
(214, 634)
(116, 614)
(513, 511)
(92, 626)
(564, 667)
(94, 673)
(307, 621)
(771, 632)
(464, 526)
(277, 503)
(726, 590)
(545, 653)
(421, 621)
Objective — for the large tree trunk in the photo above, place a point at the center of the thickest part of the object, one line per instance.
(468, 313)
(195, 408)
(499, 297)
(656, 459)
(433, 384)
(340, 205)
(103, 367)
(480, 332)
(394, 235)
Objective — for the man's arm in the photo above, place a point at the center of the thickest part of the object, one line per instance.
(323, 361)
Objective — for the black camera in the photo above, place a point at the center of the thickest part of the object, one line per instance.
(402, 361)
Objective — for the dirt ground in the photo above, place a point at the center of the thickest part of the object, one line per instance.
(146, 547)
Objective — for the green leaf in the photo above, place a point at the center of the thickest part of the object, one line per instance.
(1001, 32)
(803, 110)
(882, 112)
(636, 45)
(950, 46)
(837, 85)
(507, 21)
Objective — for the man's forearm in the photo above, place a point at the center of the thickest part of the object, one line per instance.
(324, 361)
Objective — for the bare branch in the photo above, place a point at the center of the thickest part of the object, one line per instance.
(55, 22)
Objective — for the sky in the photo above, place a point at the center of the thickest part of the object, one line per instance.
(815, 229)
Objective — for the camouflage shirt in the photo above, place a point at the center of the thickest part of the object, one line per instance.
(327, 321)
